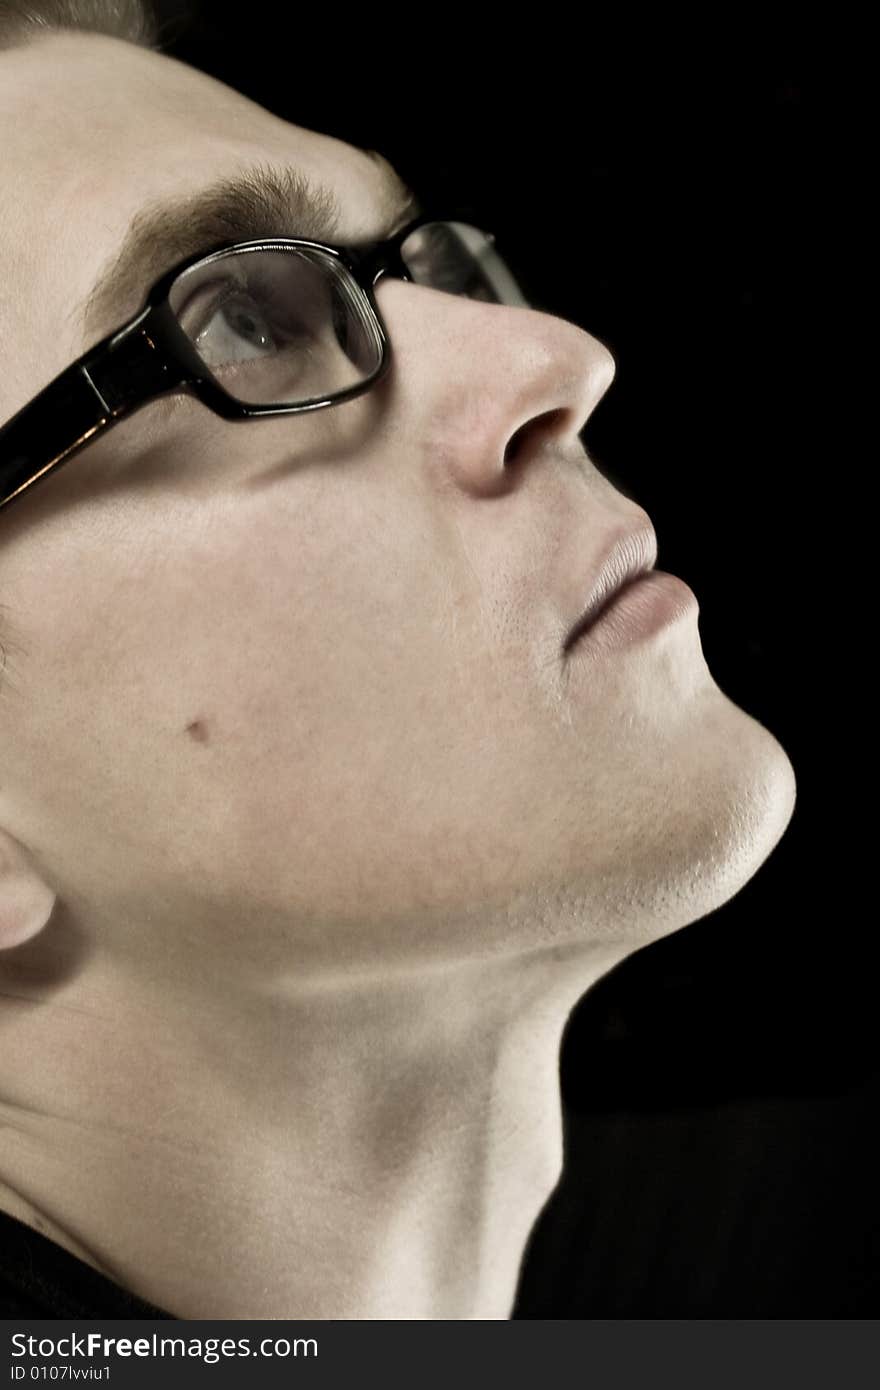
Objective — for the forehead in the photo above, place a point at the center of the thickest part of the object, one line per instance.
(109, 128)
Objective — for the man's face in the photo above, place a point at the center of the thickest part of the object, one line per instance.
(294, 688)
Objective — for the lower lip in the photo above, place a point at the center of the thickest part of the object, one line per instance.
(642, 608)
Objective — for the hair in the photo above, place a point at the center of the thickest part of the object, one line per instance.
(135, 21)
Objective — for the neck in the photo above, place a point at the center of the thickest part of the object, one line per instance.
(350, 1146)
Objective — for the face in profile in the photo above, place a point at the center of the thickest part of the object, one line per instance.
(302, 683)
(339, 751)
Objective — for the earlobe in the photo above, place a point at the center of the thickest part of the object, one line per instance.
(26, 900)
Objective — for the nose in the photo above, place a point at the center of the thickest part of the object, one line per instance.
(483, 386)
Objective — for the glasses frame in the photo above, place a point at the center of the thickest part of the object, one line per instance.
(151, 355)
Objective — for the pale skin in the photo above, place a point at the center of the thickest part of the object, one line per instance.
(307, 844)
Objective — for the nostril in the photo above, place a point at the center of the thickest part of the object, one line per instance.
(516, 442)
(512, 449)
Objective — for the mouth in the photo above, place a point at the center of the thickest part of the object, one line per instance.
(632, 556)
(589, 620)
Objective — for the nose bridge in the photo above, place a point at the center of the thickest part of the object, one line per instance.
(530, 332)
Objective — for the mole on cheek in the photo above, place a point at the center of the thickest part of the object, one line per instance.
(198, 730)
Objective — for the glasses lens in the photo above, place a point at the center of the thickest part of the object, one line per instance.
(284, 326)
(460, 259)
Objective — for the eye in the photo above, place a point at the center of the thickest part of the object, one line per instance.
(236, 316)
(236, 324)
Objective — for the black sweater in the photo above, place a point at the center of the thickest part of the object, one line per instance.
(40, 1279)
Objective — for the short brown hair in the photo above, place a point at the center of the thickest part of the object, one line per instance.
(133, 20)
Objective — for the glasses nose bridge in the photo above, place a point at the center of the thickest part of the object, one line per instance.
(385, 258)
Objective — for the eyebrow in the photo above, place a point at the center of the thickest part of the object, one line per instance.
(260, 201)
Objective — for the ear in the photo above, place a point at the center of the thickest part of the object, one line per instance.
(26, 900)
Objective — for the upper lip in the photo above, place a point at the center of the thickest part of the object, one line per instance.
(630, 554)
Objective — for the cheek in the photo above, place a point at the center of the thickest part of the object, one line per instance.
(227, 698)
(224, 651)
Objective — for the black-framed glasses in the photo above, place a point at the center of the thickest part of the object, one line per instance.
(250, 328)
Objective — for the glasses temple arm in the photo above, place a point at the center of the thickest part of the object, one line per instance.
(116, 378)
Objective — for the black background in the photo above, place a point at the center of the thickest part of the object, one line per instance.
(669, 191)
